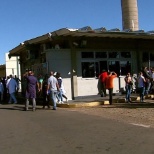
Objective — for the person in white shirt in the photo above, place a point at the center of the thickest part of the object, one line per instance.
(141, 85)
(54, 88)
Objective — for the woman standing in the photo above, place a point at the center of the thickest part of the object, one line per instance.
(128, 87)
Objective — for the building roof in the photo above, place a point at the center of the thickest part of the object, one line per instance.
(86, 32)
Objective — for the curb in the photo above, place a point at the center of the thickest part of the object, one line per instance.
(116, 101)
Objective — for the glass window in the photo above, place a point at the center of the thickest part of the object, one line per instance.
(87, 54)
(125, 67)
(88, 69)
(113, 55)
(101, 55)
(114, 66)
(103, 66)
(125, 54)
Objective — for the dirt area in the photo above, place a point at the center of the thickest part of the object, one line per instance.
(136, 115)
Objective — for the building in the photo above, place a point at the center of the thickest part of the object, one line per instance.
(80, 55)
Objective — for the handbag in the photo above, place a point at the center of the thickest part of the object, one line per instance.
(131, 83)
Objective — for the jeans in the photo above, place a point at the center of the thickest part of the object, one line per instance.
(12, 98)
(59, 96)
(142, 90)
(103, 89)
(34, 103)
(110, 95)
(128, 92)
(147, 88)
(53, 98)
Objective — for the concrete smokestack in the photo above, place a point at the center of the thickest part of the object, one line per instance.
(129, 14)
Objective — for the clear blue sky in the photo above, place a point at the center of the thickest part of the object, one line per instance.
(22, 20)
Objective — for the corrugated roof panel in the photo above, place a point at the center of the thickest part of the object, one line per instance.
(86, 28)
(102, 29)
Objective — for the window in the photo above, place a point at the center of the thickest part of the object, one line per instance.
(87, 54)
(88, 69)
(114, 66)
(113, 55)
(119, 62)
(125, 67)
(101, 55)
(147, 56)
(125, 55)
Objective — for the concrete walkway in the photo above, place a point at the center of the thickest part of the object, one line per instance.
(96, 100)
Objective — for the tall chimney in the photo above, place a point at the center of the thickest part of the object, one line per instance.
(129, 14)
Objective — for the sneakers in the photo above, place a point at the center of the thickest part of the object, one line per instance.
(26, 109)
(34, 109)
(60, 102)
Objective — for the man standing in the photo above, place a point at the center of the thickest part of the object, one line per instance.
(109, 84)
(53, 87)
(32, 84)
(141, 85)
(102, 81)
(12, 86)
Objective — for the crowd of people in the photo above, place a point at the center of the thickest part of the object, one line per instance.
(51, 88)
(143, 84)
(45, 87)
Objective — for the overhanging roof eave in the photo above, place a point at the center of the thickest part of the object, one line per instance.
(16, 51)
(109, 35)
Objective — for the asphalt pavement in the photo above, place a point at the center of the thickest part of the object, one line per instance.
(69, 131)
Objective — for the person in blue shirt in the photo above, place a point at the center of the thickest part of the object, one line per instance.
(12, 86)
(1, 91)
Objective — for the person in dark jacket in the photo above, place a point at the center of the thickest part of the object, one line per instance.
(45, 93)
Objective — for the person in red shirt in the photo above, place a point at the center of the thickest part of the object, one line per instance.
(102, 77)
(109, 84)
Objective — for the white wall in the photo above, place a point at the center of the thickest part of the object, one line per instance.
(12, 66)
(60, 61)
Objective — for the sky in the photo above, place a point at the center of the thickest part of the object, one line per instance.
(22, 20)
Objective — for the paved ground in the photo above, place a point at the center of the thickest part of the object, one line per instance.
(102, 129)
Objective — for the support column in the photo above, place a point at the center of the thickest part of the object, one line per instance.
(74, 85)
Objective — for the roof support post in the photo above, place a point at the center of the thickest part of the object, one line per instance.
(74, 85)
